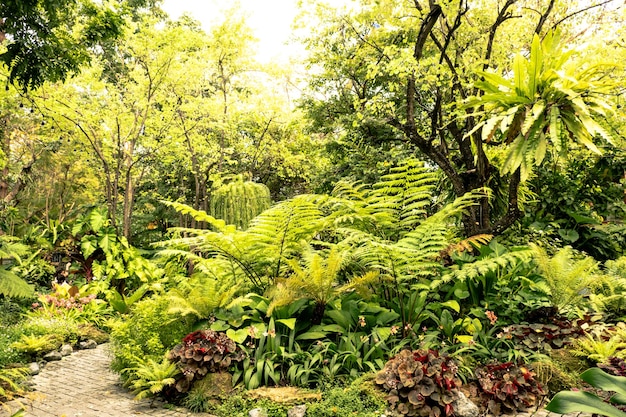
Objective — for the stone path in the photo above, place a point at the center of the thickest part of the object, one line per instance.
(82, 385)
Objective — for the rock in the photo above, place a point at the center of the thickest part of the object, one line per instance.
(33, 368)
(464, 407)
(66, 350)
(297, 411)
(257, 412)
(53, 356)
(89, 344)
(215, 385)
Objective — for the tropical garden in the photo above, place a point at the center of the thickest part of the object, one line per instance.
(429, 208)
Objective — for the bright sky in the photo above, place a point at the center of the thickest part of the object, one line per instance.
(270, 19)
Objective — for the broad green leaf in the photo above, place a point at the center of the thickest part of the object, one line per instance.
(519, 69)
(600, 379)
(88, 245)
(290, 323)
(464, 338)
(540, 150)
(239, 335)
(534, 66)
(311, 336)
(452, 304)
(566, 402)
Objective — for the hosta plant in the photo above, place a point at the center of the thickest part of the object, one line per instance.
(508, 387)
(420, 382)
(201, 352)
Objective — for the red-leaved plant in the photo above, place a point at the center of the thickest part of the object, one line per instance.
(420, 382)
(508, 385)
(201, 352)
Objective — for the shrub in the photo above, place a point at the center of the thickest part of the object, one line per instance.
(360, 399)
(420, 382)
(508, 386)
(201, 352)
(148, 332)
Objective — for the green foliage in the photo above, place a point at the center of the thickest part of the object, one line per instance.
(581, 401)
(49, 40)
(549, 100)
(568, 278)
(200, 295)
(238, 202)
(420, 381)
(10, 380)
(12, 285)
(148, 332)
(359, 399)
(599, 348)
(66, 328)
(36, 345)
(150, 377)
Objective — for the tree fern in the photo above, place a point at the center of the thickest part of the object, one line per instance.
(12, 285)
(201, 295)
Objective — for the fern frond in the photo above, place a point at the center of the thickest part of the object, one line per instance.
(198, 215)
(466, 245)
(151, 377)
(484, 266)
(13, 286)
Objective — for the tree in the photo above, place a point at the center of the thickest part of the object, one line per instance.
(121, 110)
(406, 73)
(47, 40)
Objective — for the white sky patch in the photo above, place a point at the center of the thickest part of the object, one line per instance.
(270, 21)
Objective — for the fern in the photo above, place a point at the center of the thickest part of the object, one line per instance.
(484, 266)
(10, 380)
(567, 279)
(151, 377)
(200, 296)
(12, 285)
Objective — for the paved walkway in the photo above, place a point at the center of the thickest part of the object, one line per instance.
(82, 385)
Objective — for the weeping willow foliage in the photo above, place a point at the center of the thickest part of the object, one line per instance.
(240, 201)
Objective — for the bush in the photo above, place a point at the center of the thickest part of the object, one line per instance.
(360, 399)
(147, 332)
